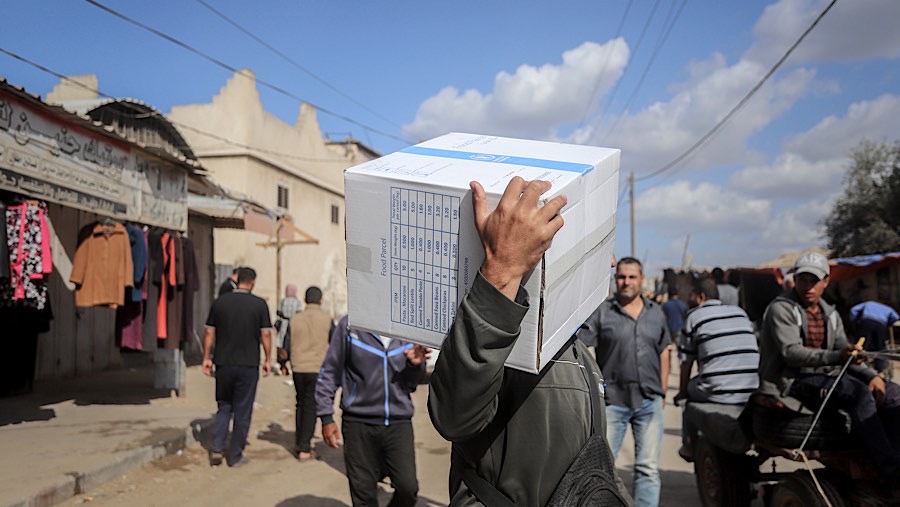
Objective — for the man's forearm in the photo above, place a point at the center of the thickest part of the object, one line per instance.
(685, 375)
(208, 340)
(664, 369)
(266, 338)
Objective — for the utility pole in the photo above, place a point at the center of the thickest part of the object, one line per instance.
(279, 244)
(631, 203)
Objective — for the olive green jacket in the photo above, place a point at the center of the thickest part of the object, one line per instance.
(470, 388)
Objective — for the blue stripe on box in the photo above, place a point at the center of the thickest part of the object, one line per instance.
(501, 159)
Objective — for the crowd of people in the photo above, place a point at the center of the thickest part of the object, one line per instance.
(524, 439)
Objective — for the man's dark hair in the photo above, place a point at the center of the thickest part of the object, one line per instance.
(246, 275)
(718, 275)
(673, 290)
(313, 295)
(235, 271)
(630, 260)
(705, 285)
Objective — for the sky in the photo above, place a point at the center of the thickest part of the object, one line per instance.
(650, 77)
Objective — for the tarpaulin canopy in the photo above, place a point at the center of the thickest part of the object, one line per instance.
(850, 267)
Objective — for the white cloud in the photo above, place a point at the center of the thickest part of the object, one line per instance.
(654, 136)
(799, 227)
(877, 120)
(791, 176)
(851, 31)
(815, 161)
(681, 207)
(533, 101)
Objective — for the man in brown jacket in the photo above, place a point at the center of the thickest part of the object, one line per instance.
(310, 330)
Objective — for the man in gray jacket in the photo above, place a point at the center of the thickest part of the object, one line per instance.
(517, 431)
(803, 349)
(377, 375)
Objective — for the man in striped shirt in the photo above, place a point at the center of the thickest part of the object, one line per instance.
(720, 338)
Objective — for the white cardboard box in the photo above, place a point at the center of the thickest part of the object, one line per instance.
(413, 251)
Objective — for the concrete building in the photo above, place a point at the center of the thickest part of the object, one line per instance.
(290, 169)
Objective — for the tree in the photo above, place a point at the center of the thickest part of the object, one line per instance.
(866, 218)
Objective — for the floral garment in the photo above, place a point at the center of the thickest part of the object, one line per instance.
(30, 260)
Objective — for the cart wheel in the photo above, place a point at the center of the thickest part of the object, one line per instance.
(798, 490)
(723, 479)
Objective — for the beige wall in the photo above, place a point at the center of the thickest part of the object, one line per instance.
(295, 156)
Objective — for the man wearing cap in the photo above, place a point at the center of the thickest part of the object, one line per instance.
(804, 347)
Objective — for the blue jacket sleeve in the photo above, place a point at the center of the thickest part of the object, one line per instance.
(332, 372)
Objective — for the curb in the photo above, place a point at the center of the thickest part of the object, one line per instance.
(77, 483)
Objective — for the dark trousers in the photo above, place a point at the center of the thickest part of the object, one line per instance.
(370, 451)
(877, 427)
(305, 385)
(235, 392)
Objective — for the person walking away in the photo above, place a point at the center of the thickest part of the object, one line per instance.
(632, 341)
(513, 432)
(720, 339)
(230, 283)
(237, 325)
(728, 294)
(310, 330)
(377, 375)
(286, 310)
(675, 309)
(802, 350)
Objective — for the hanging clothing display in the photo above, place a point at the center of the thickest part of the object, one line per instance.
(4, 246)
(167, 283)
(191, 286)
(129, 316)
(102, 267)
(25, 264)
(138, 261)
(28, 250)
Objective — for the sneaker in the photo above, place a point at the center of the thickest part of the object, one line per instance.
(216, 458)
(241, 462)
(687, 453)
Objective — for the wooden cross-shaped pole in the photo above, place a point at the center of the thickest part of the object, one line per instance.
(279, 244)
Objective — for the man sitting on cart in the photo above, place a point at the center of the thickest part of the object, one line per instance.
(720, 339)
(803, 347)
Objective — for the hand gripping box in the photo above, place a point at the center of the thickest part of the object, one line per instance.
(413, 250)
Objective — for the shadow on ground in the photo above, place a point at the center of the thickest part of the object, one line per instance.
(277, 435)
(122, 386)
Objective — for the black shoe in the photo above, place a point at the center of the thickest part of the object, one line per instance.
(216, 458)
(687, 453)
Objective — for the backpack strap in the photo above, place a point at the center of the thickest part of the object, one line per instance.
(484, 491)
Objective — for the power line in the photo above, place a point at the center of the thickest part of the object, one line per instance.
(293, 62)
(232, 69)
(706, 137)
(627, 65)
(664, 35)
(142, 115)
(609, 53)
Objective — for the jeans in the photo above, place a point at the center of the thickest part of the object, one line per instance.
(647, 427)
(235, 392)
(305, 386)
(373, 450)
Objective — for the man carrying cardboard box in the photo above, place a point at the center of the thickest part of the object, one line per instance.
(516, 436)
